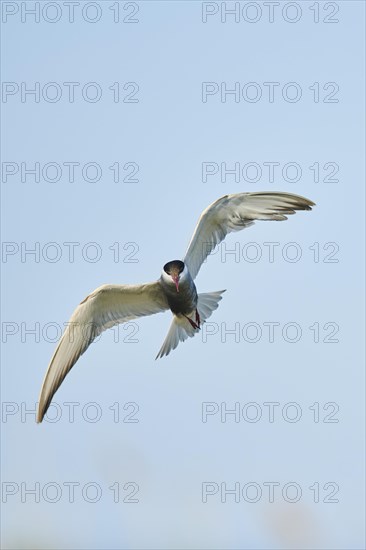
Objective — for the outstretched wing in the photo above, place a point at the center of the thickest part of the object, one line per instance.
(233, 213)
(107, 306)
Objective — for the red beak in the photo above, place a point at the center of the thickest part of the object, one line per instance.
(176, 281)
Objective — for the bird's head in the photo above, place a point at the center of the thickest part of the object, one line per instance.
(172, 271)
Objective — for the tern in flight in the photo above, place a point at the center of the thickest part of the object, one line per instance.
(109, 305)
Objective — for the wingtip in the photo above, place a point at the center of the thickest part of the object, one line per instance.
(42, 409)
(161, 354)
(308, 203)
(40, 416)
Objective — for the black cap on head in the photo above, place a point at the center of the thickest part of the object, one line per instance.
(177, 264)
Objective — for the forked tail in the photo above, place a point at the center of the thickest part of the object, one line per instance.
(181, 329)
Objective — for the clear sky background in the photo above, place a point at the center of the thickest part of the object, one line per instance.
(313, 375)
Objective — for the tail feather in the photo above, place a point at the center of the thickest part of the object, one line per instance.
(181, 329)
(207, 303)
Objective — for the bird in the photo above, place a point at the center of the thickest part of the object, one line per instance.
(111, 304)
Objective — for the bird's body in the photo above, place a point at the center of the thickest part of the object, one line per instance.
(109, 305)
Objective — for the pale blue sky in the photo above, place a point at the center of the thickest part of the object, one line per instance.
(169, 133)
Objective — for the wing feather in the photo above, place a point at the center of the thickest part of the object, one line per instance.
(107, 306)
(234, 213)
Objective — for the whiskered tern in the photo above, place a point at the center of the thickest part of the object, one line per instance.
(109, 305)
